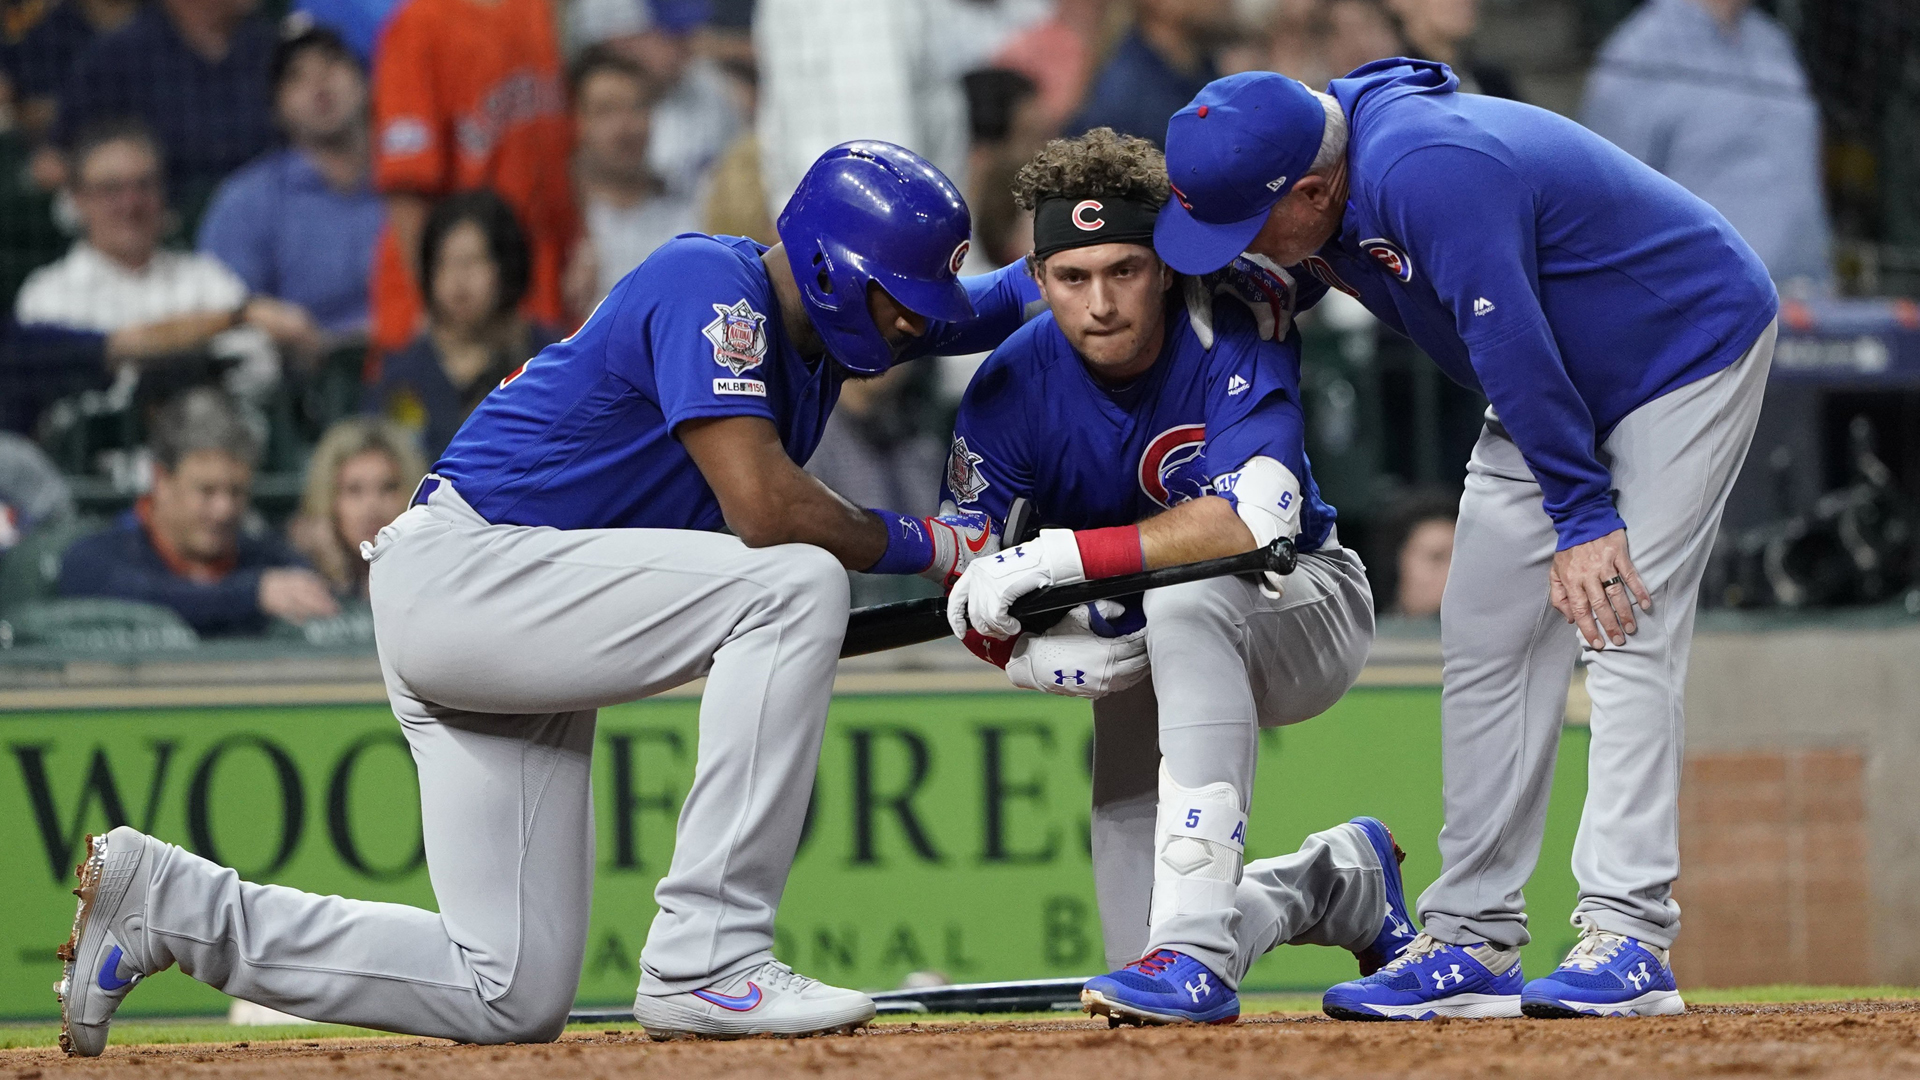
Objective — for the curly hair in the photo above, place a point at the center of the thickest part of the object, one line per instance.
(1101, 162)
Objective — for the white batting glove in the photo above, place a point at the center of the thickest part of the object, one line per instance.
(959, 537)
(1072, 659)
(986, 591)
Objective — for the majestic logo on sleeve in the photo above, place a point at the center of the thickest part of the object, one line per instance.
(739, 336)
(963, 472)
(1390, 255)
(1173, 467)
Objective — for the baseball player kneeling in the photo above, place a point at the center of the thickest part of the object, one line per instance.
(567, 553)
(1152, 429)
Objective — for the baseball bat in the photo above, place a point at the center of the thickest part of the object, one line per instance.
(910, 622)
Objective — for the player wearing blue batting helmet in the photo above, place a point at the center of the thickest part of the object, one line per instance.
(646, 516)
(872, 213)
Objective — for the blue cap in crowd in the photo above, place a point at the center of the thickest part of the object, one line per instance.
(1235, 150)
(681, 16)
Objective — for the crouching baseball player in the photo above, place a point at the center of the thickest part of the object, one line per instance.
(1622, 331)
(567, 553)
(1151, 432)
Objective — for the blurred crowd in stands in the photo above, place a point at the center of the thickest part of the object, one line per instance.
(255, 244)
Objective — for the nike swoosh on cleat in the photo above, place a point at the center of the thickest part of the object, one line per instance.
(110, 972)
(744, 1003)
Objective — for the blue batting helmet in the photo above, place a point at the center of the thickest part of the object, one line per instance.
(873, 211)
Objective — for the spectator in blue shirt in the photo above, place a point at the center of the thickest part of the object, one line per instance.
(1158, 67)
(185, 546)
(301, 223)
(1710, 93)
(196, 72)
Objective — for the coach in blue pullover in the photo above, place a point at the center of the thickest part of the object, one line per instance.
(1622, 331)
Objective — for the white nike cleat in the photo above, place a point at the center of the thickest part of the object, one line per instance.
(105, 957)
(768, 1000)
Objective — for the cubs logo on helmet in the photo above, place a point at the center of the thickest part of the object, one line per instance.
(1173, 467)
(1389, 254)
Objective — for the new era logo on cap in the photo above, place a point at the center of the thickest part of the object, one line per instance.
(1234, 151)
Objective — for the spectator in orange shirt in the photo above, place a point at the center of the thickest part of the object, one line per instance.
(468, 94)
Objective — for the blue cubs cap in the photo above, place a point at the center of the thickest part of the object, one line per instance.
(1236, 149)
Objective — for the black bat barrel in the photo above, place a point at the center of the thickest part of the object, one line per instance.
(910, 622)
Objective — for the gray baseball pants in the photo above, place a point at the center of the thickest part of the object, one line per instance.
(1509, 656)
(498, 644)
(1228, 660)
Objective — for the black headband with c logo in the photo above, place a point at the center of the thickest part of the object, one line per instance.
(1061, 223)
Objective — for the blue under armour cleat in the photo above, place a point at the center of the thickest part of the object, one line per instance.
(1162, 987)
(1396, 931)
(1430, 979)
(1606, 974)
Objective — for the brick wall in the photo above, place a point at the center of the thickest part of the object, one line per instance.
(1774, 884)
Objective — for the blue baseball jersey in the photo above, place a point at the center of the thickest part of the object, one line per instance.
(582, 436)
(1535, 262)
(1036, 424)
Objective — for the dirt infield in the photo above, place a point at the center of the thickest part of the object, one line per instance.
(1842, 1039)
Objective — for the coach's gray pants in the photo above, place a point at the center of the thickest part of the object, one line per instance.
(498, 643)
(1509, 656)
(1228, 660)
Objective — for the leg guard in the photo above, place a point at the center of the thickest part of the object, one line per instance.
(1200, 839)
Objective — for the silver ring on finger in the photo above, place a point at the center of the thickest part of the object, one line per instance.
(1615, 582)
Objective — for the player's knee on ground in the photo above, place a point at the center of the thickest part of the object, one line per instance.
(525, 1015)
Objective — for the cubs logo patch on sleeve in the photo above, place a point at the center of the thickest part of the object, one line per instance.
(963, 472)
(1390, 255)
(739, 337)
(1173, 467)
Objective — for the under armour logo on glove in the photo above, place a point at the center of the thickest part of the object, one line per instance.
(1061, 678)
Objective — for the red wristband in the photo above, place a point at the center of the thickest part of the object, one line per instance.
(1110, 552)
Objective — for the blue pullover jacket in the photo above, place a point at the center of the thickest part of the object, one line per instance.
(1538, 263)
